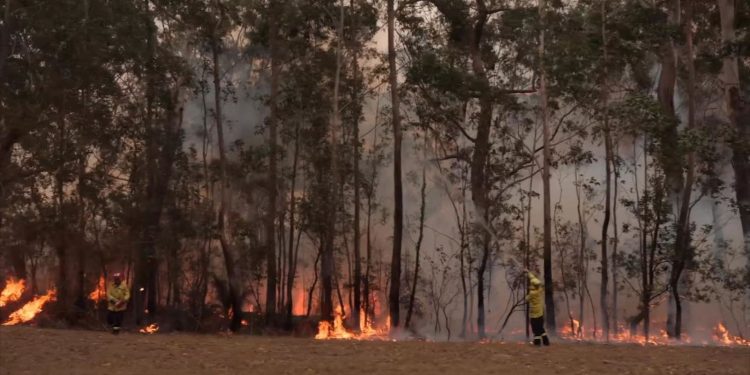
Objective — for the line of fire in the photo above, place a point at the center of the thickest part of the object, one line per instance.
(521, 178)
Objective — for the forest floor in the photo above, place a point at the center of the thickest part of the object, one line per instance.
(29, 350)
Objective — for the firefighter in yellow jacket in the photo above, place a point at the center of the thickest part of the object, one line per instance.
(118, 296)
(535, 298)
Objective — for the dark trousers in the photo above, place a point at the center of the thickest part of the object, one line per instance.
(114, 318)
(540, 335)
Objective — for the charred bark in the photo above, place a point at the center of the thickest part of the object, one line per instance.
(608, 181)
(398, 210)
(273, 183)
(682, 249)
(5, 39)
(357, 282)
(233, 287)
(292, 273)
(549, 299)
(738, 113)
(413, 293)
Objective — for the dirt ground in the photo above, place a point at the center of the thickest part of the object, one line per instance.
(28, 350)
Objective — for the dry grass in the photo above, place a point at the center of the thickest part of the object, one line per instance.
(28, 350)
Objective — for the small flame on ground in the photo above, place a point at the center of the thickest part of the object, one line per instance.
(572, 330)
(31, 309)
(337, 331)
(150, 329)
(245, 322)
(723, 337)
(12, 291)
(98, 294)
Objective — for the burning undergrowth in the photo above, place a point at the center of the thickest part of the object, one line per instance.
(718, 335)
(21, 308)
(29, 310)
(12, 291)
(337, 330)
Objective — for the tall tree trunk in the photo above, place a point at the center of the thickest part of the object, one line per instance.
(315, 281)
(464, 289)
(202, 288)
(272, 183)
(370, 192)
(738, 115)
(608, 179)
(481, 155)
(418, 248)
(682, 251)
(582, 263)
(235, 296)
(61, 240)
(479, 191)
(368, 258)
(652, 266)
(5, 40)
(549, 299)
(615, 242)
(292, 274)
(669, 156)
(643, 236)
(398, 209)
(327, 256)
(357, 284)
(527, 247)
(145, 265)
(282, 261)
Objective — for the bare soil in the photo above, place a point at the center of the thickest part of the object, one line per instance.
(29, 350)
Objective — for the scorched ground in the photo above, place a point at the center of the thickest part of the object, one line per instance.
(29, 350)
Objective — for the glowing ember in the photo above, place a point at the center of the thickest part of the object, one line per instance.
(337, 331)
(31, 309)
(723, 337)
(100, 292)
(150, 329)
(245, 322)
(12, 292)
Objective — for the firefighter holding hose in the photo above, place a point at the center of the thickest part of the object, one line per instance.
(535, 299)
(118, 296)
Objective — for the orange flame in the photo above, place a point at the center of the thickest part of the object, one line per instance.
(12, 292)
(31, 309)
(723, 337)
(575, 331)
(337, 331)
(299, 302)
(98, 294)
(572, 330)
(150, 329)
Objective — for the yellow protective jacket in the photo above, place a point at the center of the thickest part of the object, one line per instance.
(117, 297)
(535, 298)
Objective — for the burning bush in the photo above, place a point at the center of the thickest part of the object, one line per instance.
(31, 309)
(12, 291)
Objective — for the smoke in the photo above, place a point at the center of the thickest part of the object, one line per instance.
(245, 113)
